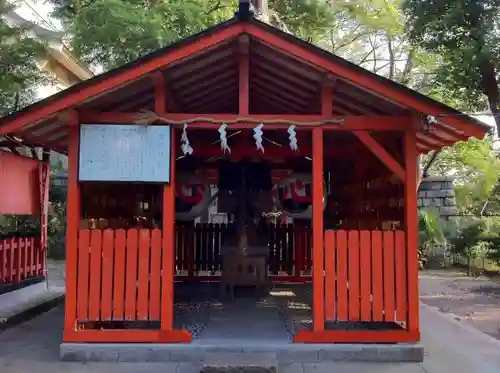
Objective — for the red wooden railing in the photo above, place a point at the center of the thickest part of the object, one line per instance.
(365, 276)
(21, 258)
(119, 275)
(198, 251)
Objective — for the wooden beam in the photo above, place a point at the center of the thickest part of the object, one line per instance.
(326, 98)
(13, 150)
(272, 151)
(318, 232)
(206, 120)
(244, 76)
(382, 154)
(160, 94)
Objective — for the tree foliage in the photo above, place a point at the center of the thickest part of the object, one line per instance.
(112, 32)
(476, 169)
(465, 35)
(20, 75)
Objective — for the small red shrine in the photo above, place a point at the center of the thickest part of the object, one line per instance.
(145, 142)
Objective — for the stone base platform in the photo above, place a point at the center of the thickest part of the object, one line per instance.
(252, 354)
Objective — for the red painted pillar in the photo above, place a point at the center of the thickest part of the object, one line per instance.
(411, 229)
(318, 232)
(73, 222)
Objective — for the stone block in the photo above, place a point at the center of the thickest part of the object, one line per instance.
(433, 194)
(437, 186)
(290, 368)
(448, 210)
(449, 202)
(153, 355)
(448, 193)
(296, 355)
(374, 353)
(437, 202)
(89, 352)
(182, 355)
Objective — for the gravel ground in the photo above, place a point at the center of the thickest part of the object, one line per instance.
(475, 302)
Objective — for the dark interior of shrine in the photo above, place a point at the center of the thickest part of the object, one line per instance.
(361, 191)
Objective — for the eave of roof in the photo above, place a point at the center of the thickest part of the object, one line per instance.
(108, 74)
(290, 38)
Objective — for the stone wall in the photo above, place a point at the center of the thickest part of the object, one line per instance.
(436, 192)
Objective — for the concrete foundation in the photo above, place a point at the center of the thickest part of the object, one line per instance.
(254, 354)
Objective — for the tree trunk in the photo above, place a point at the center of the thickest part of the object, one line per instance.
(469, 269)
(261, 9)
(392, 58)
(405, 76)
(489, 84)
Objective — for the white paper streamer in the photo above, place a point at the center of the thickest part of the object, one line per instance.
(257, 135)
(431, 119)
(293, 138)
(185, 145)
(223, 139)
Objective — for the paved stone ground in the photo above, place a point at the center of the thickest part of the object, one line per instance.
(452, 344)
(33, 347)
(56, 272)
(475, 302)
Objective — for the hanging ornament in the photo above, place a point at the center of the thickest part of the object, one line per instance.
(431, 119)
(293, 138)
(185, 145)
(223, 139)
(257, 135)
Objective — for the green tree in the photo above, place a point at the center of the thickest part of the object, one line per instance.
(112, 32)
(476, 169)
(433, 234)
(465, 34)
(20, 75)
(467, 241)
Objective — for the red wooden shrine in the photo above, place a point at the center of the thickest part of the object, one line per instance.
(363, 131)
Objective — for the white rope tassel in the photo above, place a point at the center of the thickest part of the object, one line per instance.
(185, 145)
(223, 139)
(431, 119)
(293, 138)
(257, 135)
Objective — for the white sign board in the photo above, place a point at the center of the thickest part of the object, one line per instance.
(124, 152)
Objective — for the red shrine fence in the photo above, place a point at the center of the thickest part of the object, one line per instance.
(366, 276)
(21, 258)
(119, 275)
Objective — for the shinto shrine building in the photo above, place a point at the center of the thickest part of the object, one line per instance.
(329, 144)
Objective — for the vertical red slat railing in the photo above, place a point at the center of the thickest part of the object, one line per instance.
(3, 267)
(155, 285)
(108, 247)
(119, 275)
(365, 276)
(17, 259)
